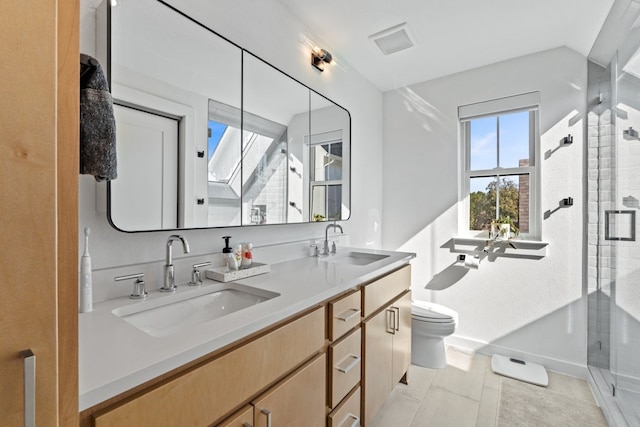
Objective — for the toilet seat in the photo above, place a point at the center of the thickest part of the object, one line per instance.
(430, 312)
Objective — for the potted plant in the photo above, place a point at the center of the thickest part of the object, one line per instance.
(503, 228)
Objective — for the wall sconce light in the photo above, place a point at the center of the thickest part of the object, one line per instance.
(319, 56)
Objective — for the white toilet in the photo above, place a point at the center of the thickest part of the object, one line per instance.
(429, 325)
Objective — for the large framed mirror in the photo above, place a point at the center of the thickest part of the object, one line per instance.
(209, 135)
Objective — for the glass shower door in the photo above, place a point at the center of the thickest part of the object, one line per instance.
(620, 229)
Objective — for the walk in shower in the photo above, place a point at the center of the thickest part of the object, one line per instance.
(613, 249)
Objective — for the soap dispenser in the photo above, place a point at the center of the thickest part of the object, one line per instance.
(229, 256)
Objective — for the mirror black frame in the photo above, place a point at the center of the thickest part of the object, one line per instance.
(243, 51)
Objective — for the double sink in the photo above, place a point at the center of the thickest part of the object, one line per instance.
(166, 316)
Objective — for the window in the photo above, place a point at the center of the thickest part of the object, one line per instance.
(500, 144)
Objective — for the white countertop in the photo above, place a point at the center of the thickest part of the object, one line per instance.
(115, 356)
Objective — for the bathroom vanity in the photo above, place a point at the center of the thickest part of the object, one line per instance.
(326, 350)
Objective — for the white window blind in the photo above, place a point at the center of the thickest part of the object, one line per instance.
(525, 101)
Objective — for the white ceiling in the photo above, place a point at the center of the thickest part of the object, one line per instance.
(451, 35)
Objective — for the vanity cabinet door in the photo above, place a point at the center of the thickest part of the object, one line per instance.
(402, 337)
(378, 381)
(299, 400)
(387, 352)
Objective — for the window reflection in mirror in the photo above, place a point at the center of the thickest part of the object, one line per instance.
(325, 158)
(223, 165)
(329, 160)
(275, 122)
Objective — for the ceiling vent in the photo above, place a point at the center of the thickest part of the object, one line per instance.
(393, 39)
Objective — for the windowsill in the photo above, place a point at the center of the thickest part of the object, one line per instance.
(509, 248)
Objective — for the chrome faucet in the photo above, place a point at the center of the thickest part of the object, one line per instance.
(169, 271)
(326, 238)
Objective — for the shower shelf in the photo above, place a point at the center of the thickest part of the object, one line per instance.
(512, 248)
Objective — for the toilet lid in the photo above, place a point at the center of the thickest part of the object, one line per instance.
(431, 310)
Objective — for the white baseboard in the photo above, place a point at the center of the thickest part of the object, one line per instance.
(627, 382)
(555, 365)
(605, 399)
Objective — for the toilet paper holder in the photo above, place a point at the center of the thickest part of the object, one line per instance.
(467, 261)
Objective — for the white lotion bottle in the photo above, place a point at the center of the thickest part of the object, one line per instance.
(86, 297)
(246, 255)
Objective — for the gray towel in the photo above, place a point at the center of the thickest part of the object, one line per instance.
(97, 123)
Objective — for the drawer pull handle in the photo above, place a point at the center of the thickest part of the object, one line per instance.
(29, 387)
(391, 314)
(354, 423)
(268, 414)
(397, 318)
(354, 361)
(346, 317)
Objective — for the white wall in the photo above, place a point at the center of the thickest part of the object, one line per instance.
(525, 307)
(270, 31)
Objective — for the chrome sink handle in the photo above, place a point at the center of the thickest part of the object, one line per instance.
(139, 291)
(169, 271)
(195, 274)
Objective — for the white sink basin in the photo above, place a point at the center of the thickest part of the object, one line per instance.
(168, 315)
(354, 258)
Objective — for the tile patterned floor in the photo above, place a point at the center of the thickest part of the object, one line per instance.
(465, 393)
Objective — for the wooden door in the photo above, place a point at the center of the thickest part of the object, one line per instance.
(402, 337)
(38, 208)
(378, 359)
(300, 400)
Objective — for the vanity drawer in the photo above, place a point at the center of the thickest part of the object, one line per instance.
(377, 294)
(346, 363)
(348, 413)
(205, 394)
(344, 314)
